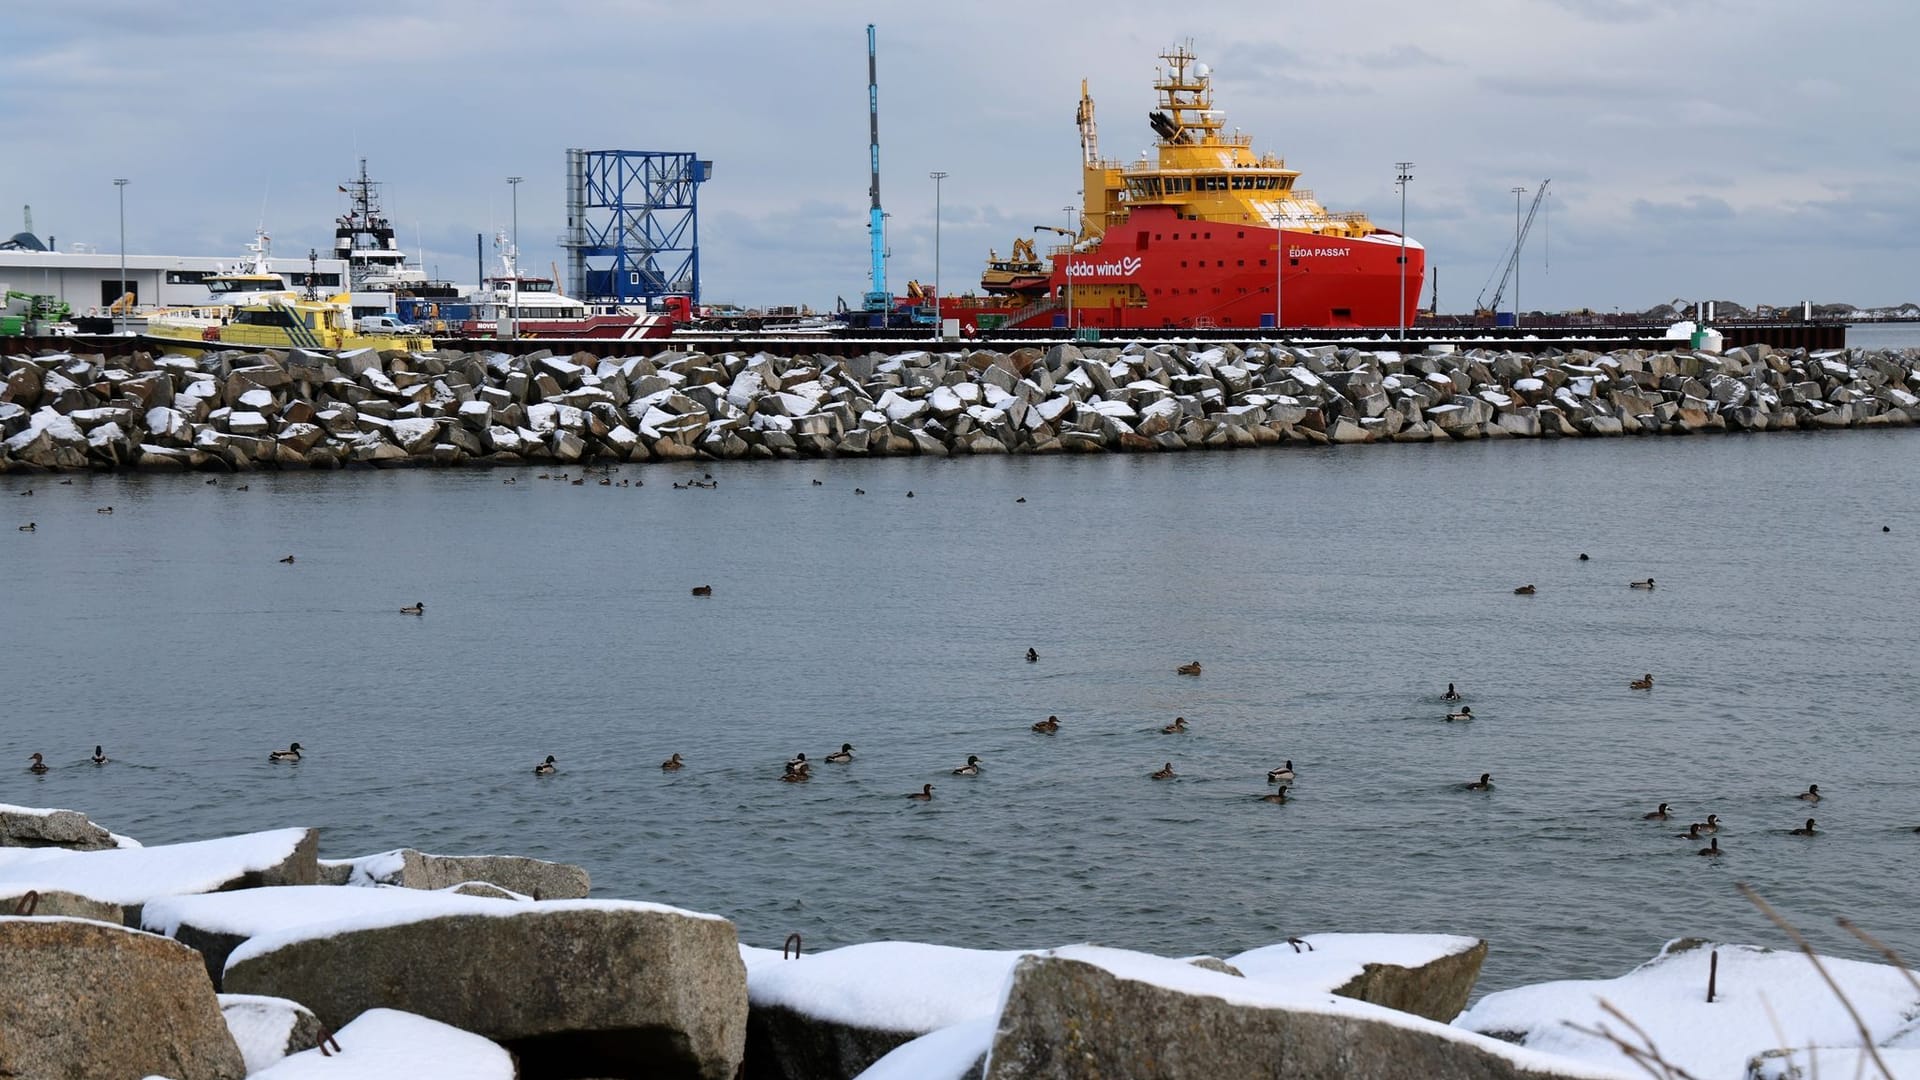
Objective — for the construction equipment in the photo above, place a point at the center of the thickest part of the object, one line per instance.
(1511, 262)
(878, 302)
(31, 314)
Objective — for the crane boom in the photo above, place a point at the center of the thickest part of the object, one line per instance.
(878, 298)
(1512, 260)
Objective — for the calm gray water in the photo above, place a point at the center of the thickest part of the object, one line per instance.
(1331, 595)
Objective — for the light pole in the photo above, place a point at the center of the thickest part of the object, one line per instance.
(120, 186)
(1402, 177)
(1517, 192)
(1071, 237)
(513, 262)
(939, 328)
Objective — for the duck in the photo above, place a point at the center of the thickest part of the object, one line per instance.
(673, 764)
(1712, 824)
(1644, 682)
(1658, 815)
(27, 493)
(925, 794)
(842, 755)
(1712, 848)
(606, 481)
(576, 482)
(1189, 669)
(1178, 727)
(510, 480)
(38, 766)
(288, 560)
(797, 774)
(1021, 499)
(798, 761)
(542, 476)
(1693, 832)
(1485, 783)
(1806, 830)
(1451, 694)
(546, 768)
(1032, 657)
(677, 486)
(1274, 796)
(1283, 774)
(1812, 794)
(860, 491)
(104, 510)
(213, 483)
(29, 527)
(816, 483)
(419, 607)
(1465, 713)
(971, 768)
(69, 483)
(703, 590)
(1524, 590)
(291, 753)
(1647, 584)
(909, 494)
(99, 756)
(1583, 556)
(1164, 772)
(242, 487)
(1048, 726)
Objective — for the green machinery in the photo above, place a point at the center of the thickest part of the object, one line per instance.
(31, 314)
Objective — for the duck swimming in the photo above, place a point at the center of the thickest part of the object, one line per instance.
(925, 794)
(291, 753)
(971, 768)
(1283, 774)
(546, 768)
(1644, 682)
(1524, 590)
(1712, 848)
(288, 559)
(703, 590)
(1274, 796)
(38, 765)
(797, 774)
(1806, 830)
(1165, 772)
(99, 756)
(419, 608)
(1048, 726)
(1693, 832)
(673, 764)
(28, 527)
(1032, 657)
(1583, 556)
(1465, 713)
(1658, 815)
(1178, 727)
(104, 510)
(1712, 824)
(1812, 794)
(797, 761)
(1451, 694)
(842, 755)
(1189, 669)
(1485, 783)
(1647, 584)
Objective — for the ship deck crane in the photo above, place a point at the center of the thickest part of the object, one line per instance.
(878, 302)
(1511, 262)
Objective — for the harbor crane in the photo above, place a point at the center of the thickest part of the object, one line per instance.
(1511, 263)
(878, 303)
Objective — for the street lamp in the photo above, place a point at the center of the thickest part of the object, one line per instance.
(939, 328)
(1517, 192)
(1071, 237)
(120, 186)
(1405, 174)
(513, 263)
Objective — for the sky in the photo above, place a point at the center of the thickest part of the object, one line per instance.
(1761, 151)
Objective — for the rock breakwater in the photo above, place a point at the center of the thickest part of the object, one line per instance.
(232, 410)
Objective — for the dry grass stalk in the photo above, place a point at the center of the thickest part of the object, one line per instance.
(1799, 939)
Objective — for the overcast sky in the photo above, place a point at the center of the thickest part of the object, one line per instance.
(1756, 150)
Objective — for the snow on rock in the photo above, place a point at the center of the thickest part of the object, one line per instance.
(267, 1029)
(250, 912)
(1027, 1017)
(1429, 975)
(383, 1044)
(1810, 1064)
(137, 875)
(1666, 996)
(38, 827)
(947, 1054)
(887, 985)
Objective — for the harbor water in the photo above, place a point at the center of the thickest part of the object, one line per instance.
(1330, 595)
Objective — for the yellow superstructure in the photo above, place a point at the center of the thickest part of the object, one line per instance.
(276, 322)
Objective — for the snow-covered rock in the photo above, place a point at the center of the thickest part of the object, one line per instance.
(132, 876)
(267, 1029)
(385, 1044)
(1429, 975)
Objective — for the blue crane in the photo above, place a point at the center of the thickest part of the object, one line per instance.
(879, 301)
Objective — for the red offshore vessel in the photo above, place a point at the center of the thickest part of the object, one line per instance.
(1187, 238)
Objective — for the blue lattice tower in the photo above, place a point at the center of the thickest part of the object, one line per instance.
(633, 229)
